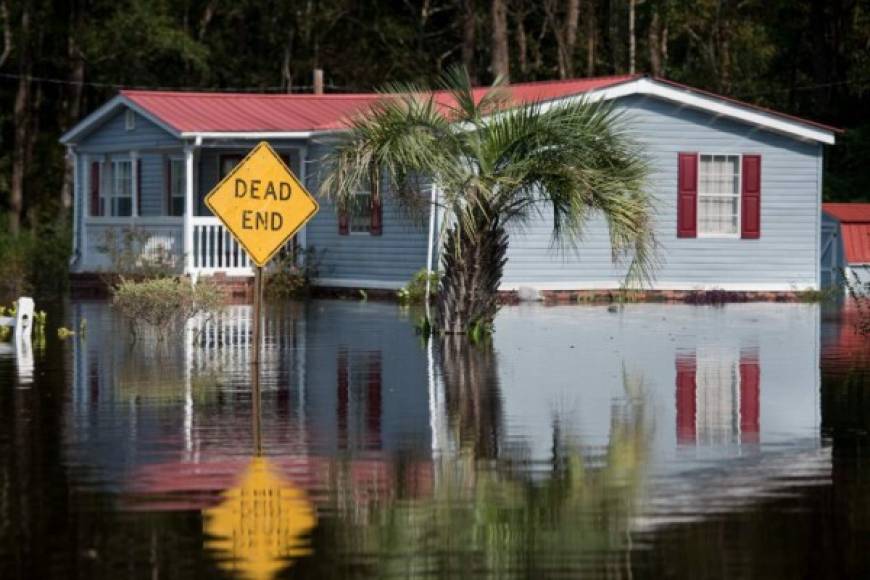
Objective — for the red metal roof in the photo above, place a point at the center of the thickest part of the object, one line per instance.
(854, 221)
(848, 212)
(856, 242)
(245, 112)
(251, 112)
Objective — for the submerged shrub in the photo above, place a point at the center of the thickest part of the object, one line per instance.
(163, 303)
(291, 273)
(134, 254)
(414, 292)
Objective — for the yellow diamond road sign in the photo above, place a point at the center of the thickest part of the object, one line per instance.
(262, 203)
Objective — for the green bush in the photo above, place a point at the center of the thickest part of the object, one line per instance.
(291, 273)
(163, 303)
(35, 262)
(414, 292)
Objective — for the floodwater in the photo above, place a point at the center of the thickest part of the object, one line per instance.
(657, 441)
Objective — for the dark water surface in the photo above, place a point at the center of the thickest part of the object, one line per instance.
(660, 441)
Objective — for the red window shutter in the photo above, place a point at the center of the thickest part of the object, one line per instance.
(377, 216)
(342, 385)
(167, 177)
(138, 187)
(686, 398)
(96, 210)
(343, 222)
(750, 373)
(687, 195)
(750, 192)
(374, 405)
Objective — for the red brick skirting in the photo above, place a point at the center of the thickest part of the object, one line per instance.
(84, 285)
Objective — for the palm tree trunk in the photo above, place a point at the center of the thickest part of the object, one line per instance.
(473, 262)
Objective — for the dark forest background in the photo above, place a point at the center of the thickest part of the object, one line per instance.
(60, 59)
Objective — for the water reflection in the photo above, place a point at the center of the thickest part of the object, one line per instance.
(567, 446)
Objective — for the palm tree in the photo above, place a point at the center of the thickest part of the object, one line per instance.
(496, 164)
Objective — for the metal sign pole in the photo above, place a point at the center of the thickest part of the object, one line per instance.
(255, 358)
(258, 313)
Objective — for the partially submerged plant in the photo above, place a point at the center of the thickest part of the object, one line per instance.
(414, 292)
(292, 272)
(135, 254)
(496, 167)
(163, 303)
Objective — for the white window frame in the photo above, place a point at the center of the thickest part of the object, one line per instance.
(129, 120)
(737, 234)
(176, 173)
(350, 210)
(112, 193)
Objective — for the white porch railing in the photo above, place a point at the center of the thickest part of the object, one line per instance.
(216, 250)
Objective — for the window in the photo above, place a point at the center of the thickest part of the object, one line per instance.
(130, 120)
(360, 213)
(121, 191)
(227, 163)
(719, 195)
(175, 182)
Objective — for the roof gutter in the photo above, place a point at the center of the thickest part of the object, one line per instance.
(246, 134)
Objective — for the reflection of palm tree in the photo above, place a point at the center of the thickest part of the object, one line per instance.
(498, 515)
(471, 388)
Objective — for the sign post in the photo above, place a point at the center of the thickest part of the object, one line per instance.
(263, 205)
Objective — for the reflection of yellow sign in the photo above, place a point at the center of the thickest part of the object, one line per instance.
(262, 203)
(261, 524)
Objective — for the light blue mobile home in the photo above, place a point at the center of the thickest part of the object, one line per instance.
(738, 189)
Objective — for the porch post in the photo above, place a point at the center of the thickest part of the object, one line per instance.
(188, 209)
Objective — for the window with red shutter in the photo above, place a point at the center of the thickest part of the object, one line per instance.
(687, 195)
(750, 194)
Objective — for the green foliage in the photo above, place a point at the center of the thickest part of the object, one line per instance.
(290, 274)
(494, 173)
(133, 255)
(414, 292)
(809, 295)
(160, 304)
(34, 262)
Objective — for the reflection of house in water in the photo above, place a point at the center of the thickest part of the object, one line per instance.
(324, 383)
(717, 396)
(702, 370)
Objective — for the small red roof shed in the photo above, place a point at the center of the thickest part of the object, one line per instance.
(854, 221)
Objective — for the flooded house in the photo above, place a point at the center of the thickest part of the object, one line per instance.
(738, 189)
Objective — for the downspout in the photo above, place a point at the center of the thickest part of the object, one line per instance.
(71, 154)
(433, 198)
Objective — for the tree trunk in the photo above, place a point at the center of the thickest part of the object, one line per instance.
(21, 123)
(469, 40)
(632, 41)
(500, 55)
(473, 262)
(565, 33)
(658, 43)
(590, 39)
(71, 111)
